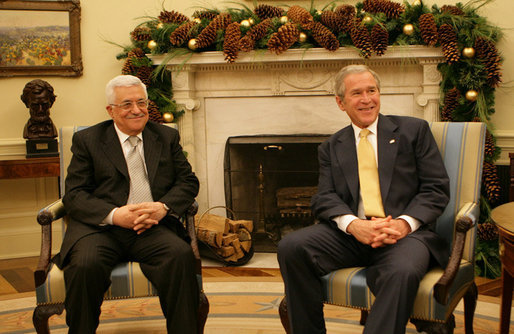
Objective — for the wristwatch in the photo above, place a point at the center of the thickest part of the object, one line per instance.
(170, 212)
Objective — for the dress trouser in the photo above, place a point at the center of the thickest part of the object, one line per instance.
(165, 259)
(393, 275)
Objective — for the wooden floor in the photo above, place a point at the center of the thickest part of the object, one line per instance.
(17, 278)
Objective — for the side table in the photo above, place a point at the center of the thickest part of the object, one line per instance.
(31, 167)
(503, 216)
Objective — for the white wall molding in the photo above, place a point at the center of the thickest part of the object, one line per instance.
(12, 148)
(505, 140)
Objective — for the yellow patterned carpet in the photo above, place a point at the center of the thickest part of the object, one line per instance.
(235, 308)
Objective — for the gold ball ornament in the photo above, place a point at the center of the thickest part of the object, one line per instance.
(160, 25)
(471, 95)
(168, 117)
(284, 19)
(192, 44)
(303, 37)
(245, 23)
(468, 52)
(251, 20)
(197, 20)
(367, 19)
(408, 29)
(416, 3)
(152, 44)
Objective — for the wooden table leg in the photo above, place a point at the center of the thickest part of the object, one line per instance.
(506, 302)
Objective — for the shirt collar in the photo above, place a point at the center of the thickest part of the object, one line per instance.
(123, 136)
(372, 128)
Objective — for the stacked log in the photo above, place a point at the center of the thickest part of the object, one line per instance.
(230, 239)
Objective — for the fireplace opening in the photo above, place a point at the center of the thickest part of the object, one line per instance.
(270, 180)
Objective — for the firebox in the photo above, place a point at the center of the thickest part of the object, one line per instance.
(270, 180)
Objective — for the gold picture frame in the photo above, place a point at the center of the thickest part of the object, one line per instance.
(40, 38)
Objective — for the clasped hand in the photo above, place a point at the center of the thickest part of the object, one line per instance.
(139, 217)
(379, 232)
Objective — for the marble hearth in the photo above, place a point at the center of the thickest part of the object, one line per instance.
(265, 94)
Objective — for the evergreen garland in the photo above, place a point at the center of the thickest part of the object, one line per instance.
(472, 62)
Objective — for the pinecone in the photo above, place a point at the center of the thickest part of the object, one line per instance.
(490, 146)
(182, 33)
(231, 42)
(448, 40)
(379, 39)
(300, 16)
(208, 34)
(451, 102)
(153, 112)
(428, 29)
(486, 51)
(454, 10)
(141, 34)
(286, 36)
(347, 15)
(205, 14)
(391, 9)
(268, 12)
(491, 182)
(361, 38)
(324, 37)
(145, 74)
(128, 66)
(172, 17)
(137, 53)
(487, 231)
(331, 20)
(257, 32)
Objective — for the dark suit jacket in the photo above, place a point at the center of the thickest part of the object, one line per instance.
(98, 179)
(413, 179)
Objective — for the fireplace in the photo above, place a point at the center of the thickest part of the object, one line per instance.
(270, 179)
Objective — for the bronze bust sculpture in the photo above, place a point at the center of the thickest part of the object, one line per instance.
(38, 95)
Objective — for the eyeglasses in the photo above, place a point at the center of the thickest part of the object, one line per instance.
(127, 106)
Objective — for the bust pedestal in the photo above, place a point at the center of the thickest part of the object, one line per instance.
(42, 147)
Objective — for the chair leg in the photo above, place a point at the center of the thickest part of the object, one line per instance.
(284, 317)
(364, 317)
(435, 327)
(203, 311)
(41, 315)
(470, 303)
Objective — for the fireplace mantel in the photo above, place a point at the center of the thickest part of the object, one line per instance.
(265, 93)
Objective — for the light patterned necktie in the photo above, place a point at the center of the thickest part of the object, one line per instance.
(368, 177)
(139, 185)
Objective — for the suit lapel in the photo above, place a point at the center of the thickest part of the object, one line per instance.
(387, 146)
(113, 151)
(347, 157)
(153, 149)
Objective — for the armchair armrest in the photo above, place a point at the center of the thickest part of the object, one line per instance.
(45, 217)
(191, 231)
(50, 213)
(464, 220)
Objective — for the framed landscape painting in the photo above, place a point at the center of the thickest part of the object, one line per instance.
(40, 38)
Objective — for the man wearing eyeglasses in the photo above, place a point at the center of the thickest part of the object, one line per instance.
(127, 183)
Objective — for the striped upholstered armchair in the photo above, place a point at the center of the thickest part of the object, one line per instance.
(461, 146)
(127, 278)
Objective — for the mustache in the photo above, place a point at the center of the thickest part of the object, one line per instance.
(141, 114)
